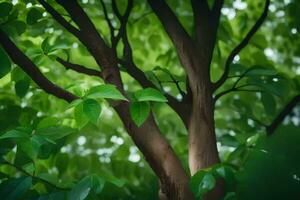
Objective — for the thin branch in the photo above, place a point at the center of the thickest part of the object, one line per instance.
(283, 113)
(79, 68)
(33, 176)
(235, 89)
(111, 28)
(20, 59)
(58, 17)
(242, 45)
(122, 18)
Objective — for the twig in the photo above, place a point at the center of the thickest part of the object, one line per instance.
(242, 45)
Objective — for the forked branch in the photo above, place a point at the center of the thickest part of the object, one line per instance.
(242, 45)
(20, 59)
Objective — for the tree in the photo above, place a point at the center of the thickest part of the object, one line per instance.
(113, 50)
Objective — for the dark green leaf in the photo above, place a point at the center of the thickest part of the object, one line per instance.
(33, 16)
(15, 188)
(22, 87)
(5, 65)
(269, 103)
(5, 9)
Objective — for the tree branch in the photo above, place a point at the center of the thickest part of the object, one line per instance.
(281, 116)
(242, 45)
(110, 26)
(183, 43)
(35, 177)
(180, 108)
(20, 59)
(79, 68)
(235, 89)
(58, 17)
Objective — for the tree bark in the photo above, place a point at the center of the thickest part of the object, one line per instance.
(160, 156)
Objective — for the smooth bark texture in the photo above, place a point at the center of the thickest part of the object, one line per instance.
(159, 154)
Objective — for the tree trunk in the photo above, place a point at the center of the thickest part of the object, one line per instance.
(160, 156)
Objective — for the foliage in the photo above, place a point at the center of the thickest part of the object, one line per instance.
(51, 149)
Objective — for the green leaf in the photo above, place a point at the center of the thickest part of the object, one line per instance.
(91, 109)
(21, 132)
(82, 189)
(14, 189)
(80, 118)
(55, 132)
(202, 182)
(150, 94)
(5, 9)
(5, 64)
(74, 103)
(17, 74)
(45, 46)
(105, 92)
(261, 71)
(22, 87)
(269, 103)
(139, 112)
(15, 27)
(33, 16)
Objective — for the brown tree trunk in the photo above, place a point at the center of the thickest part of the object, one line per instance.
(160, 156)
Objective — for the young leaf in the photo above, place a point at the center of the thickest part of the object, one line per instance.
(91, 109)
(5, 65)
(105, 92)
(139, 112)
(150, 94)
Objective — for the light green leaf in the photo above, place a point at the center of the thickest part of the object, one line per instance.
(74, 103)
(139, 112)
(5, 64)
(105, 92)
(150, 94)
(45, 46)
(80, 118)
(91, 109)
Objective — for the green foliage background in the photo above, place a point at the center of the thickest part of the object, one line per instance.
(51, 150)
